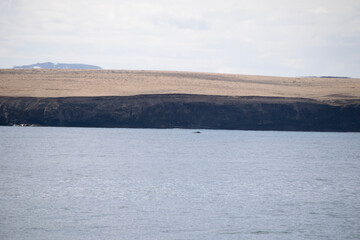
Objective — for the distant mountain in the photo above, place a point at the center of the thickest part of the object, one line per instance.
(50, 65)
(324, 77)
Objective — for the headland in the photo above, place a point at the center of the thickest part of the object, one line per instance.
(169, 99)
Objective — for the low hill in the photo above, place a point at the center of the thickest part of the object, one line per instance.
(80, 83)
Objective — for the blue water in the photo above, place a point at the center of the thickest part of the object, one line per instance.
(87, 183)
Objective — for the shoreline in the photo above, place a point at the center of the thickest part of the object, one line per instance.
(173, 99)
(182, 111)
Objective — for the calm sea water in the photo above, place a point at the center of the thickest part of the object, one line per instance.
(86, 183)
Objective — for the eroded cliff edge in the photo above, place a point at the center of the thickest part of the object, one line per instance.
(183, 111)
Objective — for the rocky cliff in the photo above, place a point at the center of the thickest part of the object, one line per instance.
(182, 111)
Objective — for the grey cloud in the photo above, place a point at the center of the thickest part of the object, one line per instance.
(194, 24)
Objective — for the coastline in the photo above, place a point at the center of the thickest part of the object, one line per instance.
(182, 111)
(169, 99)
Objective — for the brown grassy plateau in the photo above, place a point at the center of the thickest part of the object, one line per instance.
(66, 83)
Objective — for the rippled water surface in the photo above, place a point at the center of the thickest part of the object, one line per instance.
(86, 183)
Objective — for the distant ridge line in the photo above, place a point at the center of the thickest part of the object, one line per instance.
(50, 65)
(324, 77)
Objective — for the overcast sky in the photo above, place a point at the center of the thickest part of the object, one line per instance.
(261, 37)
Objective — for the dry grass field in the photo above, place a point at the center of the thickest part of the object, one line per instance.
(66, 83)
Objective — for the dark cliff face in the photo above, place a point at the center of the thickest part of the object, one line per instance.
(181, 111)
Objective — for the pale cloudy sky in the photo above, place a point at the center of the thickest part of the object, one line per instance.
(262, 37)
